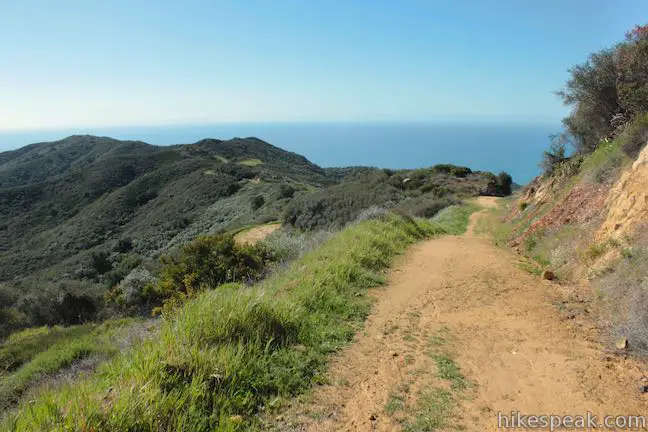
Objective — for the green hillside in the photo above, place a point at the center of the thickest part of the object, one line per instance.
(78, 215)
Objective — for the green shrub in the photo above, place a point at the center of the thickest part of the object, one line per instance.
(454, 170)
(133, 294)
(498, 185)
(206, 263)
(338, 205)
(636, 137)
(257, 202)
(428, 207)
(286, 191)
(124, 245)
(609, 171)
(422, 191)
(555, 155)
(123, 264)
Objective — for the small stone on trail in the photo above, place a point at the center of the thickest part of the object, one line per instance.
(548, 275)
(622, 344)
(394, 354)
(644, 389)
(372, 417)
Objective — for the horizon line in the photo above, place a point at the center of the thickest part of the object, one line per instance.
(449, 119)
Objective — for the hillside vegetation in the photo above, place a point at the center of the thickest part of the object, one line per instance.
(91, 227)
(229, 354)
(586, 217)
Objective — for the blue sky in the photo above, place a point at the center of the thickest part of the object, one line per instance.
(78, 63)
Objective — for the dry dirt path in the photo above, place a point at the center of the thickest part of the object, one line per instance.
(460, 301)
(256, 234)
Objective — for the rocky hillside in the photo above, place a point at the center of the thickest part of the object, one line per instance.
(588, 225)
(586, 218)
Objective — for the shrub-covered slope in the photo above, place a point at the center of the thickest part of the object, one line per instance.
(79, 215)
(231, 353)
(586, 217)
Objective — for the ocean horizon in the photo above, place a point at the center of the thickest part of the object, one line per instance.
(512, 147)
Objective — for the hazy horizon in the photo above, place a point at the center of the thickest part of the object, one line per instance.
(492, 146)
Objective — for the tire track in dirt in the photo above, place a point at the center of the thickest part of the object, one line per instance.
(502, 329)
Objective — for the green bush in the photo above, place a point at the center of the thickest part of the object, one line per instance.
(133, 294)
(636, 137)
(428, 207)
(338, 205)
(422, 191)
(555, 155)
(206, 263)
(286, 191)
(257, 202)
(454, 170)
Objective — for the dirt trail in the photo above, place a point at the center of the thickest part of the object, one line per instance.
(256, 234)
(501, 327)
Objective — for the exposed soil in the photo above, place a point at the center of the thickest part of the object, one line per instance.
(256, 234)
(627, 203)
(582, 204)
(502, 326)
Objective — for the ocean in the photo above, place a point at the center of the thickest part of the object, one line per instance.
(512, 147)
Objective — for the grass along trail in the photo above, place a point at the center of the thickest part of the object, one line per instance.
(459, 334)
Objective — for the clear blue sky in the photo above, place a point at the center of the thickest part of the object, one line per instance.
(74, 63)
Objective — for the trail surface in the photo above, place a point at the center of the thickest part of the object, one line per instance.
(502, 327)
(256, 234)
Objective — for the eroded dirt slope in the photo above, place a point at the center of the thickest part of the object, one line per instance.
(459, 300)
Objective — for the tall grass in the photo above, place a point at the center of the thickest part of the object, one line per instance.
(24, 345)
(454, 219)
(33, 355)
(234, 352)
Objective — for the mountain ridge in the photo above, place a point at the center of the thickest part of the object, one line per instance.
(78, 214)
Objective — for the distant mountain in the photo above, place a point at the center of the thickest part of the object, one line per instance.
(77, 215)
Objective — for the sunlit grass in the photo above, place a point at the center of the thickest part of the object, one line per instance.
(233, 352)
(250, 162)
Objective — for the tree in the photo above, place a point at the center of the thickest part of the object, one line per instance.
(632, 77)
(556, 154)
(504, 182)
(592, 92)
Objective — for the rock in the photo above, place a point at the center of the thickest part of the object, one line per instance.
(622, 344)
(394, 354)
(406, 180)
(373, 417)
(644, 389)
(548, 275)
